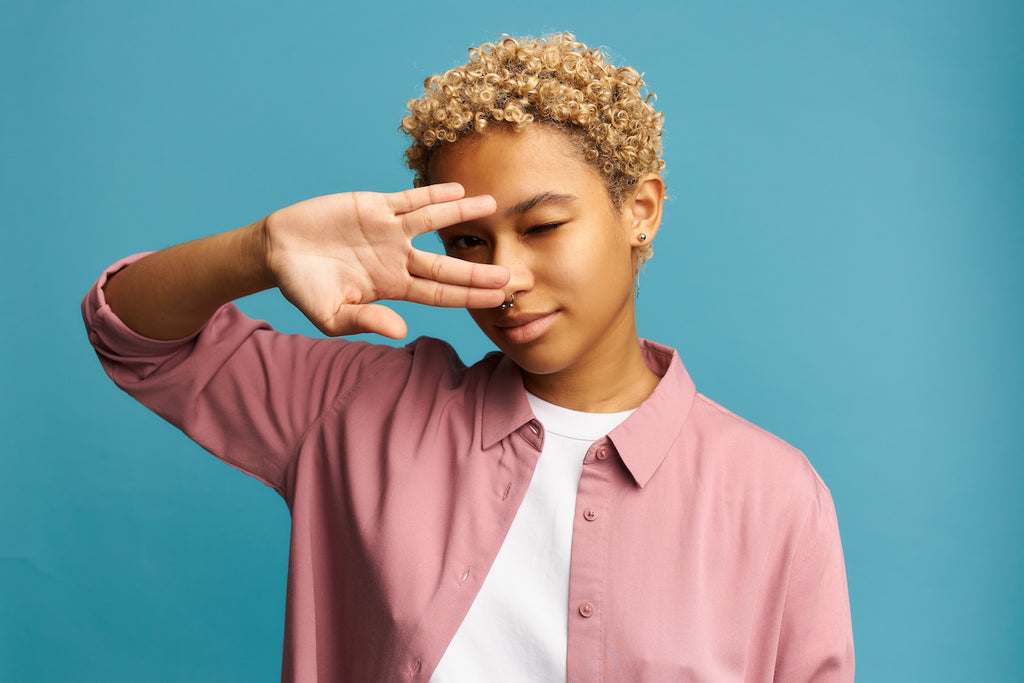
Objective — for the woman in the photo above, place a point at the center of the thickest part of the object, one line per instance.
(567, 509)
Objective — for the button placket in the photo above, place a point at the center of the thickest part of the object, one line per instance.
(587, 581)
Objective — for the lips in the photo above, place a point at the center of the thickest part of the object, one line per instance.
(524, 328)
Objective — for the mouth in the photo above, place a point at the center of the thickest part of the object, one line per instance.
(524, 328)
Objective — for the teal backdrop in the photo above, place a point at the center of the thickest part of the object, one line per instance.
(840, 262)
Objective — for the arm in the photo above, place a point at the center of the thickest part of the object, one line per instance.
(331, 256)
(242, 391)
(171, 293)
(816, 640)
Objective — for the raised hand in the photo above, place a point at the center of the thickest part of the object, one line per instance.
(333, 256)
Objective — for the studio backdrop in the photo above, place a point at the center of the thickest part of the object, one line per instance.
(839, 262)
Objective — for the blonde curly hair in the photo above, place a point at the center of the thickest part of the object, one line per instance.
(557, 81)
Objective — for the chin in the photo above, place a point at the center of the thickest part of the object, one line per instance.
(534, 361)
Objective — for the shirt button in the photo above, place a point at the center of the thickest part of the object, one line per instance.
(602, 453)
(586, 609)
(590, 514)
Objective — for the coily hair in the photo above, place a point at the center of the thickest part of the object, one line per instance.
(555, 81)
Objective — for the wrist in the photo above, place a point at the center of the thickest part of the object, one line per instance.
(256, 255)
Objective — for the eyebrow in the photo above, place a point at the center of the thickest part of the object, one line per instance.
(540, 200)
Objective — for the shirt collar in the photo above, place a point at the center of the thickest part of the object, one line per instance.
(642, 441)
(506, 408)
(647, 435)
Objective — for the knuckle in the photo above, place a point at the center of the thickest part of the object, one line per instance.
(428, 220)
(436, 268)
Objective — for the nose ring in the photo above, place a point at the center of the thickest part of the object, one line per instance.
(511, 303)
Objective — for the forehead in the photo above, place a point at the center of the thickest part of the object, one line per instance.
(508, 161)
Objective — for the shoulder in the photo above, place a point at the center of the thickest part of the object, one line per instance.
(758, 465)
(425, 365)
(438, 358)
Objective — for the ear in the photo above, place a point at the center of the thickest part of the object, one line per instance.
(644, 209)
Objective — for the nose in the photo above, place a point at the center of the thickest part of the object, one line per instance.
(516, 259)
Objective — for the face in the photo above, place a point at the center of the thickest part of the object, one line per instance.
(569, 251)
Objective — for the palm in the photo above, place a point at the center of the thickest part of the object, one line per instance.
(333, 256)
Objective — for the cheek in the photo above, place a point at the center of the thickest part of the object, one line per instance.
(476, 314)
(602, 260)
(484, 320)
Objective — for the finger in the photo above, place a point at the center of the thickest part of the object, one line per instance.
(360, 318)
(437, 216)
(417, 198)
(448, 270)
(434, 293)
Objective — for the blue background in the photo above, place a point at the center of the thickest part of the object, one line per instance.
(840, 263)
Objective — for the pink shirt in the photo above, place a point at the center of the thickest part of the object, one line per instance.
(703, 549)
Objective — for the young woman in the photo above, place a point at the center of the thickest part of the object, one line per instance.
(567, 509)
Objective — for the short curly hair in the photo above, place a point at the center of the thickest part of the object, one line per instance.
(554, 80)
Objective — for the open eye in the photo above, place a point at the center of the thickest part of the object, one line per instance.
(460, 242)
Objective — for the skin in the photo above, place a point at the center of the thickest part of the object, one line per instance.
(331, 256)
(538, 223)
(571, 256)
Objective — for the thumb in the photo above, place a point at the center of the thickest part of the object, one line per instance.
(360, 318)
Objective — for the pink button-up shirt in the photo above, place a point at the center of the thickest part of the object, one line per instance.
(704, 548)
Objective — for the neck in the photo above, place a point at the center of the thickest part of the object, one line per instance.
(616, 379)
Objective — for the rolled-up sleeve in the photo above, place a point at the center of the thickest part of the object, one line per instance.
(241, 390)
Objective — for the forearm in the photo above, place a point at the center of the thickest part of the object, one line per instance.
(172, 293)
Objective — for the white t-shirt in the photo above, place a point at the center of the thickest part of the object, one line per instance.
(517, 628)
